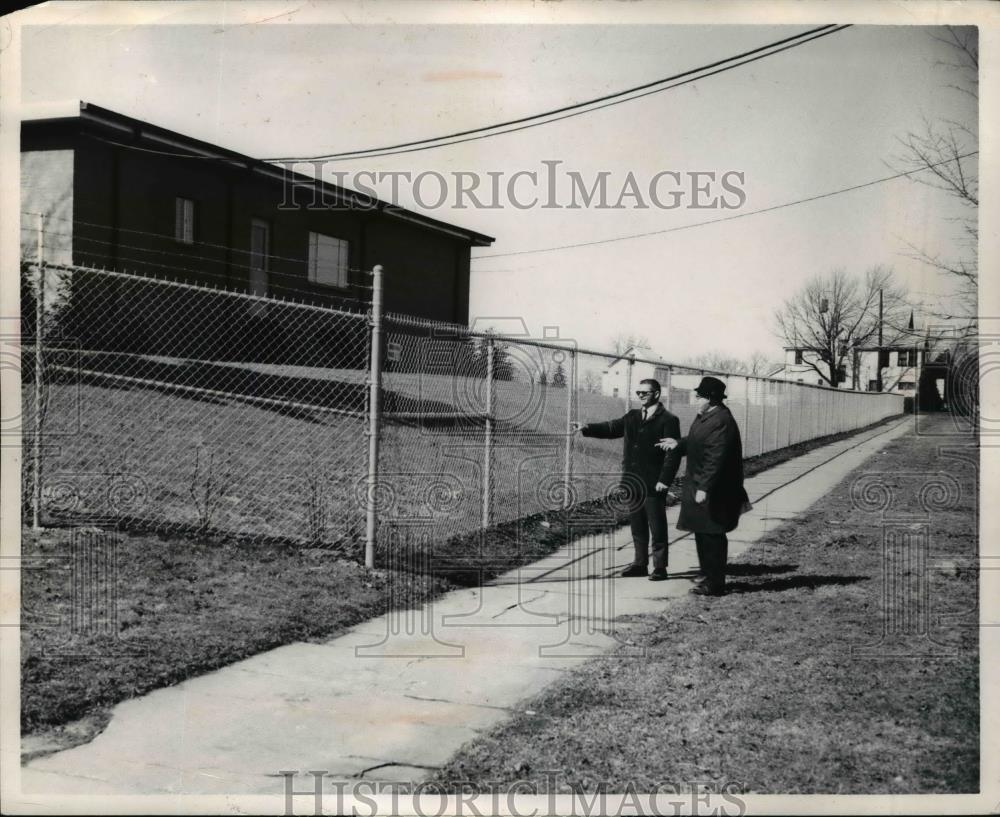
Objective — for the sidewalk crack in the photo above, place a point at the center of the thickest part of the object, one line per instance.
(456, 703)
(520, 602)
(386, 765)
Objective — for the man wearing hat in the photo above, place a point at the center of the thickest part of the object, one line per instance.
(642, 474)
(713, 496)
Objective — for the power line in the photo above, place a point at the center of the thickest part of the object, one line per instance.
(534, 120)
(579, 108)
(727, 218)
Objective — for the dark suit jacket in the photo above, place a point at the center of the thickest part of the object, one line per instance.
(642, 461)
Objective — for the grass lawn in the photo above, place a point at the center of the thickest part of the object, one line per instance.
(182, 608)
(180, 463)
(760, 689)
(187, 604)
(176, 461)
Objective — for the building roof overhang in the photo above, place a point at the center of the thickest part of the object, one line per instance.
(136, 134)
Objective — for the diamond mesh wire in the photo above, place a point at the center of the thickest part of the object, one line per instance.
(196, 410)
(199, 411)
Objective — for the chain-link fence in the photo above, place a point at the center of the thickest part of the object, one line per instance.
(199, 411)
(487, 432)
(193, 410)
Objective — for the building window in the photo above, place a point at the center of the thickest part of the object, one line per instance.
(184, 220)
(798, 357)
(905, 385)
(872, 385)
(260, 251)
(908, 358)
(883, 358)
(328, 260)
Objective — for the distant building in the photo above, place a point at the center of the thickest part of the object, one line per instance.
(900, 363)
(900, 366)
(615, 379)
(798, 368)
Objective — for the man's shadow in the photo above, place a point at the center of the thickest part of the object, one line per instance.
(781, 583)
(746, 569)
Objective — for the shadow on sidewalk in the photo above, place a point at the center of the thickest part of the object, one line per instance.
(792, 583)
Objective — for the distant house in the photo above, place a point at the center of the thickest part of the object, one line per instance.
(615, 378)
(128, 195)
(797, 368)
(900, 365)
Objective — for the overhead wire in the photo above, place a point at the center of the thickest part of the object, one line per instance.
(733, 217)
(537, 119)
(580, 108)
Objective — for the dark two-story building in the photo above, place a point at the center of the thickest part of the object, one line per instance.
(128, 195)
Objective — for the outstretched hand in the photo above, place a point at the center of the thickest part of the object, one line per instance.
(667, 444)
(575, 427)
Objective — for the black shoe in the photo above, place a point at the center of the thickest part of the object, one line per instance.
(634, 570)
(706, 589)
(658, 575)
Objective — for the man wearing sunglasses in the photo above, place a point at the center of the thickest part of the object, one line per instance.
(643, 469)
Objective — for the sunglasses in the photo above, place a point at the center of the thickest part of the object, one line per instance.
(644, 393)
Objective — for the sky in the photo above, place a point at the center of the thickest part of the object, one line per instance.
(813, 119)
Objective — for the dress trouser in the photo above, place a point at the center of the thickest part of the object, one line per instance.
(646, 517)
(713, 550)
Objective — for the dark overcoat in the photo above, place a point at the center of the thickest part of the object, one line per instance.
(642, 461)
(714, 454)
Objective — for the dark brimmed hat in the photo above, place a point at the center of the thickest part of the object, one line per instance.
(711, 387)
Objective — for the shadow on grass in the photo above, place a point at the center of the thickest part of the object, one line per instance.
(233, 381)
(792, 583)
(757, 569)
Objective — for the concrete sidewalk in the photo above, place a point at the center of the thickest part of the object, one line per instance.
(394, 698)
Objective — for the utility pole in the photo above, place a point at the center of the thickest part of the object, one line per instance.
(878, 359)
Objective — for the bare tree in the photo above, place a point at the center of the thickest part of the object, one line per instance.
(757, 365)
(943, 154)
(719, 362)
(623, 341)
(591, 381)
(761, 364)
(835, 314)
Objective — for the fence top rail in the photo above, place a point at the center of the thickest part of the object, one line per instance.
(453, 328)
(567, 346)
(221, 291)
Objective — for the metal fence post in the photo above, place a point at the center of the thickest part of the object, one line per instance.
(374, 415)
(668, 386)
(568, 454)
(787, 405)
(746, 409)
(628, 382)
(764, 386)
(488, 441)
(36, 448)
(795, 413)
